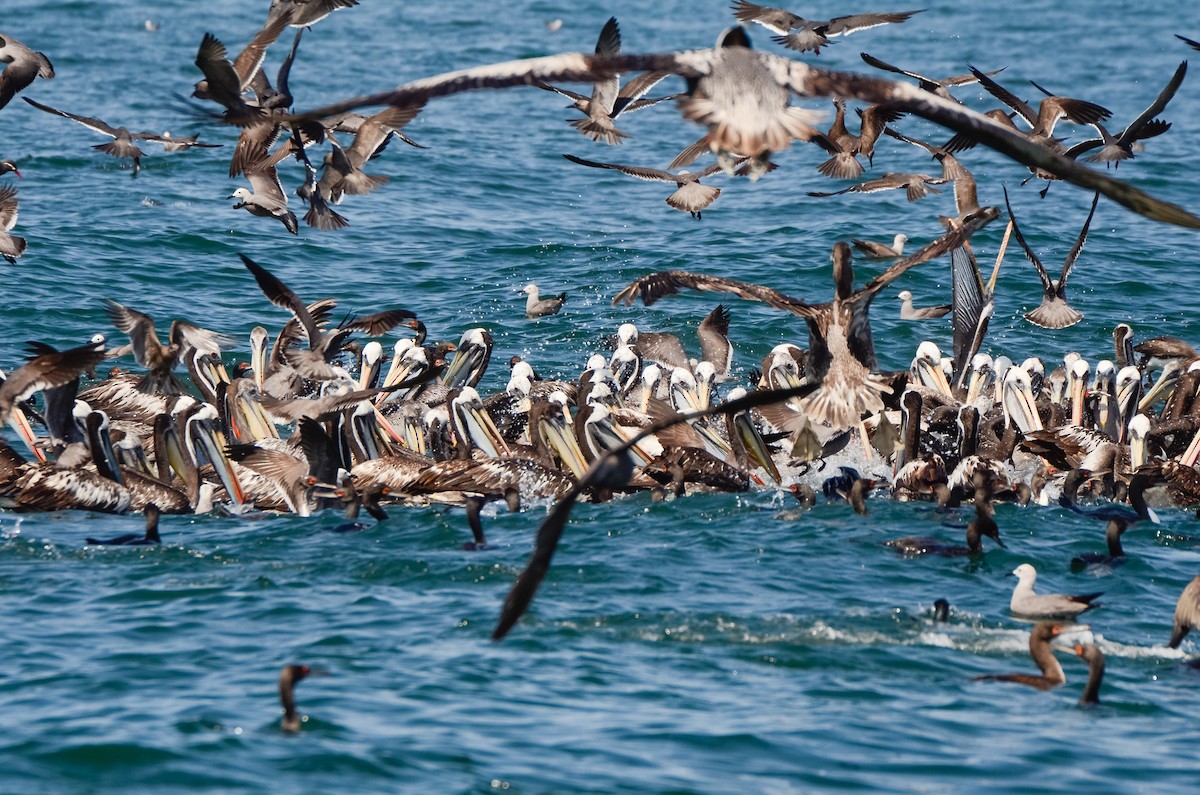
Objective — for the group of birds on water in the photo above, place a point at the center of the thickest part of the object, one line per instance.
(313, 421)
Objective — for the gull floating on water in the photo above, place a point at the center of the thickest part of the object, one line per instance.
(1026, 603)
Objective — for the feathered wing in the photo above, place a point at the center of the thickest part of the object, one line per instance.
(972, 309)
(1047, 286)
(656, 285)
(1132, 132)
(282, 296)
(1069, 263)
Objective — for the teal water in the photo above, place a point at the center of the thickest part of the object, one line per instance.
(699, 645)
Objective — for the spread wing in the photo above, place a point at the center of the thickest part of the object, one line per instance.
(1037, 263)
(1078, 247)
(656, 285)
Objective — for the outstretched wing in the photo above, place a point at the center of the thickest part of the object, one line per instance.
(1078, 247)
(656, 285)
(1037, 263)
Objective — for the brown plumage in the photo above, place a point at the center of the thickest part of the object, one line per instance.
(11, 246)
(1039, 649)
(1054, 311)
(48, 370)
(21, 66)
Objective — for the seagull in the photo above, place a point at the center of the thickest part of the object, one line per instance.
(907, 312)
(1054, 311)
(691, 196)
(916, 186)
(811, 34)
(1115, 148)
(22, 65)
(939, 87)
(1033, 605)
(123, 146)
(11, 246)
(266, 198)
(875, 250)
(536, 306)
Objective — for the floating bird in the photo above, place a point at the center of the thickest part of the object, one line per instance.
(1095, 661)
(1033, 605)
(123, 146)
(22, 65)
(1112, 539)
(908, 312)
(536, 306)
(873, 250)
(797, 33)
(691, 196)
(984, 524)
(1054, 311)
(289, 677)
(1039, 649)
(11, 246)
(150, 537)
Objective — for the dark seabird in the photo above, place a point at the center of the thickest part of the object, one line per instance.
(691, 196)
(1054, 311)
(939, 87)
(915, 186)
(1026, 603)
(48, 370)
(536, 306)
(1195, 45)
(225, 81)
(289, 677)
(1095, 661)
(1115, 555)
(265, 198)
(1115, 148)
(11, 246)
(609, 99)
(21, 66)
(845, 147)
(123, 145)
(984, 524)
(1039, 649)
(9, 167)
(798, 33)
(159, 359)
(132, 539)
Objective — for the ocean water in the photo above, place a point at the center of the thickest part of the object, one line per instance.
(706, 644)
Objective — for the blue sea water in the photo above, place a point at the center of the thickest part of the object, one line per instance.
(697, 645)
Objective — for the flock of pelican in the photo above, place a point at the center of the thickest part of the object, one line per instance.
(318, 419)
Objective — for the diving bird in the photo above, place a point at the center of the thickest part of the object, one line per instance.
(289, 677)
(798, 33)
(150, 537)
(1039, 649)
(1187, 613)
(122, 146)
(1054, 311)
(21, 66)
(1095, 660)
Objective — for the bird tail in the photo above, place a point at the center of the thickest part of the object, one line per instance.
(843, 165)
(602, 130)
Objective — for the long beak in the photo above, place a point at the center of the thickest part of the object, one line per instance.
(1192, 453)
(1078, 391)
(461, 368)
(1020, 407)
(483, 432)
(556, 435)
(756, 446)
(209, 443)
(931, 374)
(370, 371)
(976, 384)
(1162, 388)
(20, 423)
(712, 441)
(1137, 451)
(258, 362)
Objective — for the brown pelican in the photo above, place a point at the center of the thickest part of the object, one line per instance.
(122, 145)
(608, 98)
(21, 66)
(1026, 603)
(1039, 649)
(471, 358)
(797, 33)
(48, 370)
(161, 359)
(536, 306)
(58, 486)
(841, 350)
(11, 246)
(612, 470)
(1054, 311)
